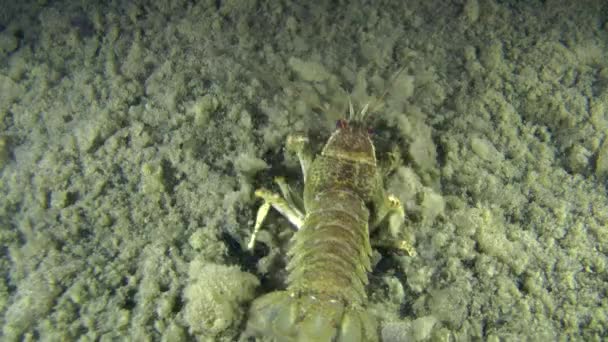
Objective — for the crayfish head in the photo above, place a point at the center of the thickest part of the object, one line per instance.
(351, 141)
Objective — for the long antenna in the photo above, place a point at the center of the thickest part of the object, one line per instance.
(388, 88)
(351, 110)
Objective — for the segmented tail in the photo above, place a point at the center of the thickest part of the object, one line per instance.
(329, 261)
(330, 253)
(282, 316)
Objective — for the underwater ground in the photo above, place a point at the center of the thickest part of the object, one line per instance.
(133, 134)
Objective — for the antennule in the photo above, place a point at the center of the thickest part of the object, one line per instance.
(364, 111)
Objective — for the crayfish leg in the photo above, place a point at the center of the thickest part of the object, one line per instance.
(388, 225)
(293, 199)
(299, 144)
(293, 214)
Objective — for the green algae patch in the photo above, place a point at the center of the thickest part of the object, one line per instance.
(308, 70)
(4, 151)
(601, 164)
(214, 297)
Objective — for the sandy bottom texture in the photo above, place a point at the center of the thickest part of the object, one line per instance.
(133, 134)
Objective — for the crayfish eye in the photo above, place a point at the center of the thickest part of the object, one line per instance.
(341, 124)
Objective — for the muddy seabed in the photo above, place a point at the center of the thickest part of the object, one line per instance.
(133, 134)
